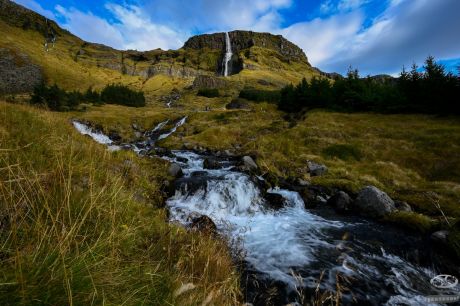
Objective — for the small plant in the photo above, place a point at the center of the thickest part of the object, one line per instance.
(343, 151)
(256, 95)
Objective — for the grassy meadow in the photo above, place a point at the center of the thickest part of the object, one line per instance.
(83, 226)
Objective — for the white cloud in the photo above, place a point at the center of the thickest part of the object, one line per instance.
(213, 15)
(90, 27)
(342, 6)
(132, 29)
(407, 31)
(35, 6)
(323, 39)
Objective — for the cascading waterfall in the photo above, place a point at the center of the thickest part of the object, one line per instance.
(292, 245)
(228, 53)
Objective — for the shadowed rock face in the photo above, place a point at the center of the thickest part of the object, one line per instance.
(242, 40)
(246, 39)
(17, 73)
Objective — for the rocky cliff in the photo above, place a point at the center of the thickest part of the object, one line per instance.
(17, 73)
(242, 40)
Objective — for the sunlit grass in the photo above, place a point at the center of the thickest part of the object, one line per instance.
(79, 225)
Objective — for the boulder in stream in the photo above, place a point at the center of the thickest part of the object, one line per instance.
(175, 170)
(210, 163)
(205, 224)
(249, 163)
(341, 202)
(373, 202)
(274, 200)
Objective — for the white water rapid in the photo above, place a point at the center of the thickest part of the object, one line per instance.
(228, 53)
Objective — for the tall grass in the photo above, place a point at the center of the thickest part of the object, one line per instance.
(77, 225)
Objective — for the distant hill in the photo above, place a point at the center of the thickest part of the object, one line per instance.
(259, 59)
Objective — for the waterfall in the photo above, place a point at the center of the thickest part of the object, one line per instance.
(228, 53)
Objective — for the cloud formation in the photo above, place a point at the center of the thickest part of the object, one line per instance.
(132, 28)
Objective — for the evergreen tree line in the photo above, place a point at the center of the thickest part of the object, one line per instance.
(433, 91)
(257, 95)
(57, 99)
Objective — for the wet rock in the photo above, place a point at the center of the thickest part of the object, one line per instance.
(341, 202)
(182, 159)
(205, 224)
(249, 163)
(135, 127)
(313, 195)
(191, 184)
(302, 183)
(137, 134)
(403, 206)
(209, 163)
(274, 200)
(440, 237)
(316, 169)
(199, 174)
(175, 170)
(372, 202)
(114, 136)
(229, 153)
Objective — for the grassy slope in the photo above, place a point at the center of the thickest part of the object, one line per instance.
(78, 225)
(59, 65)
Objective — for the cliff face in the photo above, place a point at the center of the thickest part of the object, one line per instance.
(17, 73)
(242, 40)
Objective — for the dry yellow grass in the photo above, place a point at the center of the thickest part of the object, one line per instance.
(80, 225)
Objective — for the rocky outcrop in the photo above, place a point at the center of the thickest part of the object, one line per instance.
(374, 203)
(206, 81)
(172, 70)
(241, 40)
(237, 104)
(316, 169)
(17, 73)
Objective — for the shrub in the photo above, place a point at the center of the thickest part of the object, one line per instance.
(122, 95)
(256, 95)
(55, 98)
(343, 151)
(208, 92)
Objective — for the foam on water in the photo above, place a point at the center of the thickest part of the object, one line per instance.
(176, 126)
(97, 136)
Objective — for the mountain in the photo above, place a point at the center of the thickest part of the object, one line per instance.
(259, 59)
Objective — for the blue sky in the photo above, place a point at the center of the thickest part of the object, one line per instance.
(375, 36)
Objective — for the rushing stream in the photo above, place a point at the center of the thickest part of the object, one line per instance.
(286, 252)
